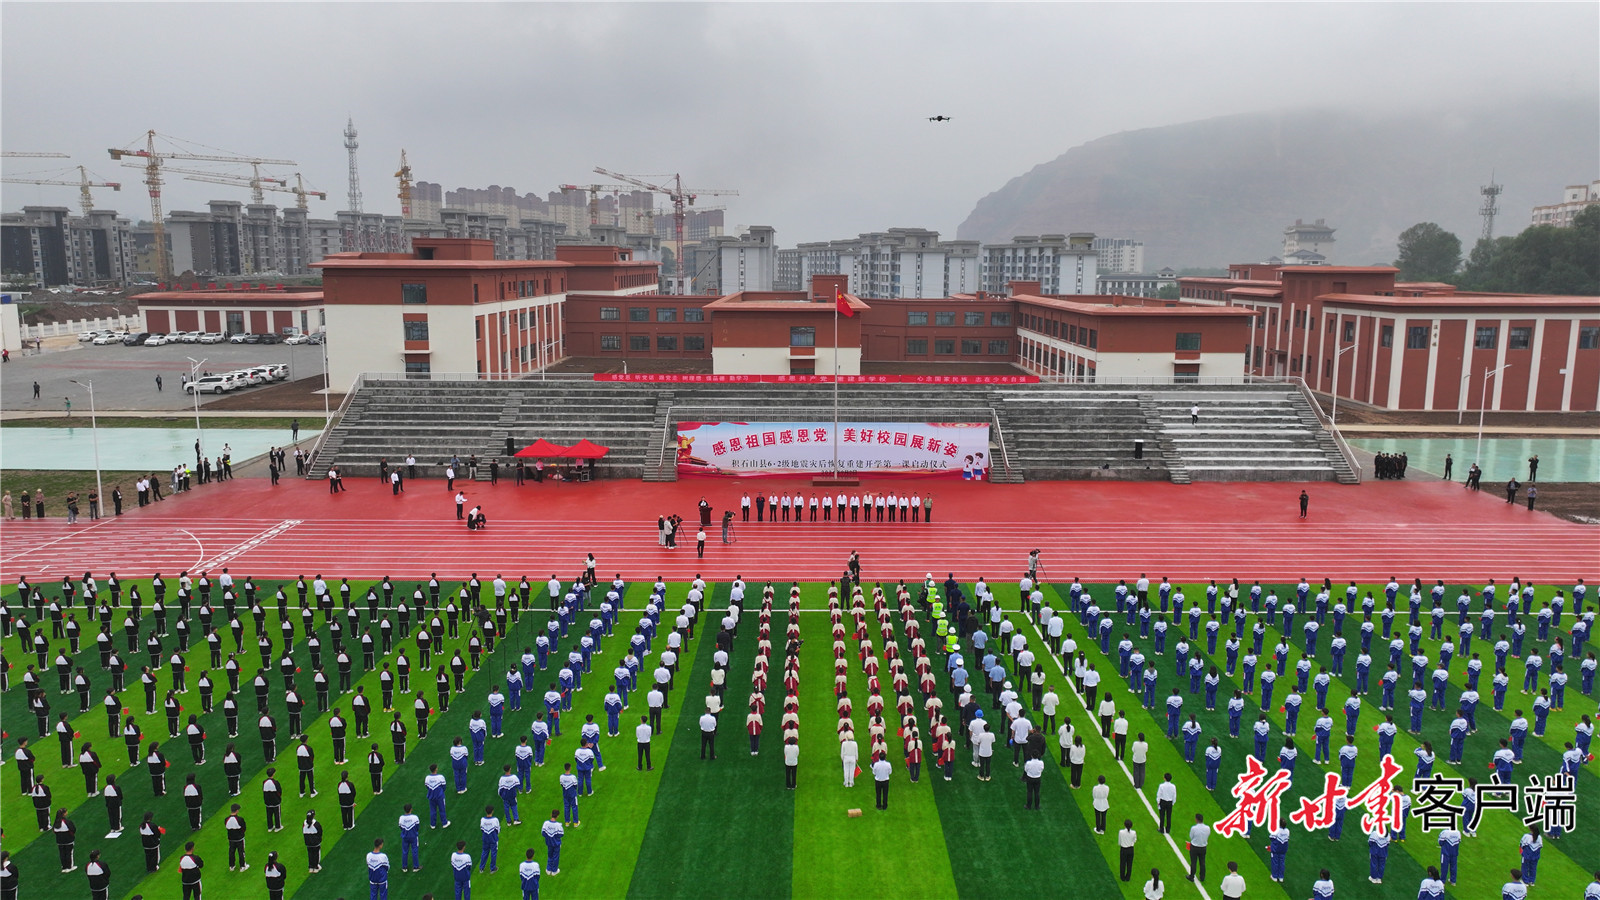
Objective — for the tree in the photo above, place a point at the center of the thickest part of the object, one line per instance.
(1428, 253)
(1167, 292)
(1541, 260)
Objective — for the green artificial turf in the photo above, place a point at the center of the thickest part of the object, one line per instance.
(702, 828)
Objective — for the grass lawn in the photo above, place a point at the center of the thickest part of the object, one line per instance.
(699, 828)
(56, 484)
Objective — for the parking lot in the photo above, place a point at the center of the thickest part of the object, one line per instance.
(124, 378)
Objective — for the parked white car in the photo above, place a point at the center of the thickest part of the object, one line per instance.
(280, 371)
(157, 340)
(108, 337)
(249, 376)
(297, 339)
(210, 384)
(211, 337)
(88, 336)
(190, 337)
(239, 338)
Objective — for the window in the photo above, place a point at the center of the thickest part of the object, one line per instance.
(1589, 337)
(1486, 338)
(610, 342)
(666, 314)
(1386, 336)
(1001, 347)
(916, 318)
(694, 314)
(1349, 332)
(999, 318)
(944, 318)
(413, 293)
(944, 348)
(611, 313)
(971, 347)
(917, 347)
(1094, 338)
(1188, 340)
(666, 342)
(639, 343)
(802, 336)
(475, 300)
(418, 368)
(638, 314)
(416, 331)
(694, 342)
(1417, 337)
(1072, 334)
(1519, 338)
(973, 318)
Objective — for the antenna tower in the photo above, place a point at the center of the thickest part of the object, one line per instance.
(352, 235)
(1491, 194)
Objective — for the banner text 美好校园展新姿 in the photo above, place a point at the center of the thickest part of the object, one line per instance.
(905, 449)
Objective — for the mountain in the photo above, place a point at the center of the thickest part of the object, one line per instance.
(1219, 191)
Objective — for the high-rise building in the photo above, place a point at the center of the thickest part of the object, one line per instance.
(1061, 263)
(1575, 198)
(750, 263)
(55, 247)
(1119, 254)
(1307, 243)
(788, 277)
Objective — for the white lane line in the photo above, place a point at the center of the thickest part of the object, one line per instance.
(1183, 860)
(245, 545)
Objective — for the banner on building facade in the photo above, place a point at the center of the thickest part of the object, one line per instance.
(900, 449)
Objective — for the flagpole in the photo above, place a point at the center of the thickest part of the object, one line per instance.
(836, 299)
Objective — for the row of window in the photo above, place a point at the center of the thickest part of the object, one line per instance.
(970, 318)
(642, 314)
(640, 343)
(1485, 337)
(947, 347)
(1071, 333)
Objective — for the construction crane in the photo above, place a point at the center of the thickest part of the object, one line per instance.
(154, 160)
(264, 184)
(681, 198)
(9, 154)
(405, 186)
(256, 183)
(594, 191)
(83, 184)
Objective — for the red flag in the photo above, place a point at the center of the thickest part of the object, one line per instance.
(841, 304)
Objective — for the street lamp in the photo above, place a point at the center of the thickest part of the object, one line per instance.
(1334, 419)
(94, 433)
(199, 436)
(1461, 397)
(1483, 399)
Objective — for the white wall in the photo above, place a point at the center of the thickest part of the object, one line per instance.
(10, 327)
(1159, 365)
(775, 360)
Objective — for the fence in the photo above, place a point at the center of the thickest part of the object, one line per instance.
(78, 326)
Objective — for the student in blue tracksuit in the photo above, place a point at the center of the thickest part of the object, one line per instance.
(434, 782)
(569, 795)
(1432, 886)
(584, 758)
(1514, 889)
(378, 872)
(540, 731)
(514, 683)
(589, 733)
(478, 730)
(528, 872)
(1278, 849)
(490, 826)
(410, 840)
(553, 832)
(461, 868)
(458, 764)
(1449, 852)
(1532, 846)
(1322, 888)
(1213, 764)
(1377, 855)
(552, 710)
(497, 711)
(613, 706)
(508, 786)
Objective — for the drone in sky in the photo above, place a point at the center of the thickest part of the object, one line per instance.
(940, 118)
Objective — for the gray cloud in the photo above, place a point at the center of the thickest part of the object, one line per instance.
(814, 112)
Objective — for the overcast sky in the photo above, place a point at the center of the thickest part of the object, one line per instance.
(815, 113)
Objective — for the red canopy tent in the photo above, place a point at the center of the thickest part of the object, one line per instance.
(543, 449)
(586, 449)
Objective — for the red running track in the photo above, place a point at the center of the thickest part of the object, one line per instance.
(1099, 531)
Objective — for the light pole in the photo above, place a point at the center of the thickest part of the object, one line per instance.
(1334, 419)
(94, 433)
(1483, 400)
(194, 375)
(1461, 407)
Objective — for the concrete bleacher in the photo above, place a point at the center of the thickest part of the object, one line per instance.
(1040, 431)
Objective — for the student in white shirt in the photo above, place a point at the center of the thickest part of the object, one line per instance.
(1154, 889)
(1232, 886)
(1100, 794)
(1126, 838)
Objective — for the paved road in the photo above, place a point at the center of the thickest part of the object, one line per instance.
(124, 377)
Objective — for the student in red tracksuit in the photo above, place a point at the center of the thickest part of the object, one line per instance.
(752, 726)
